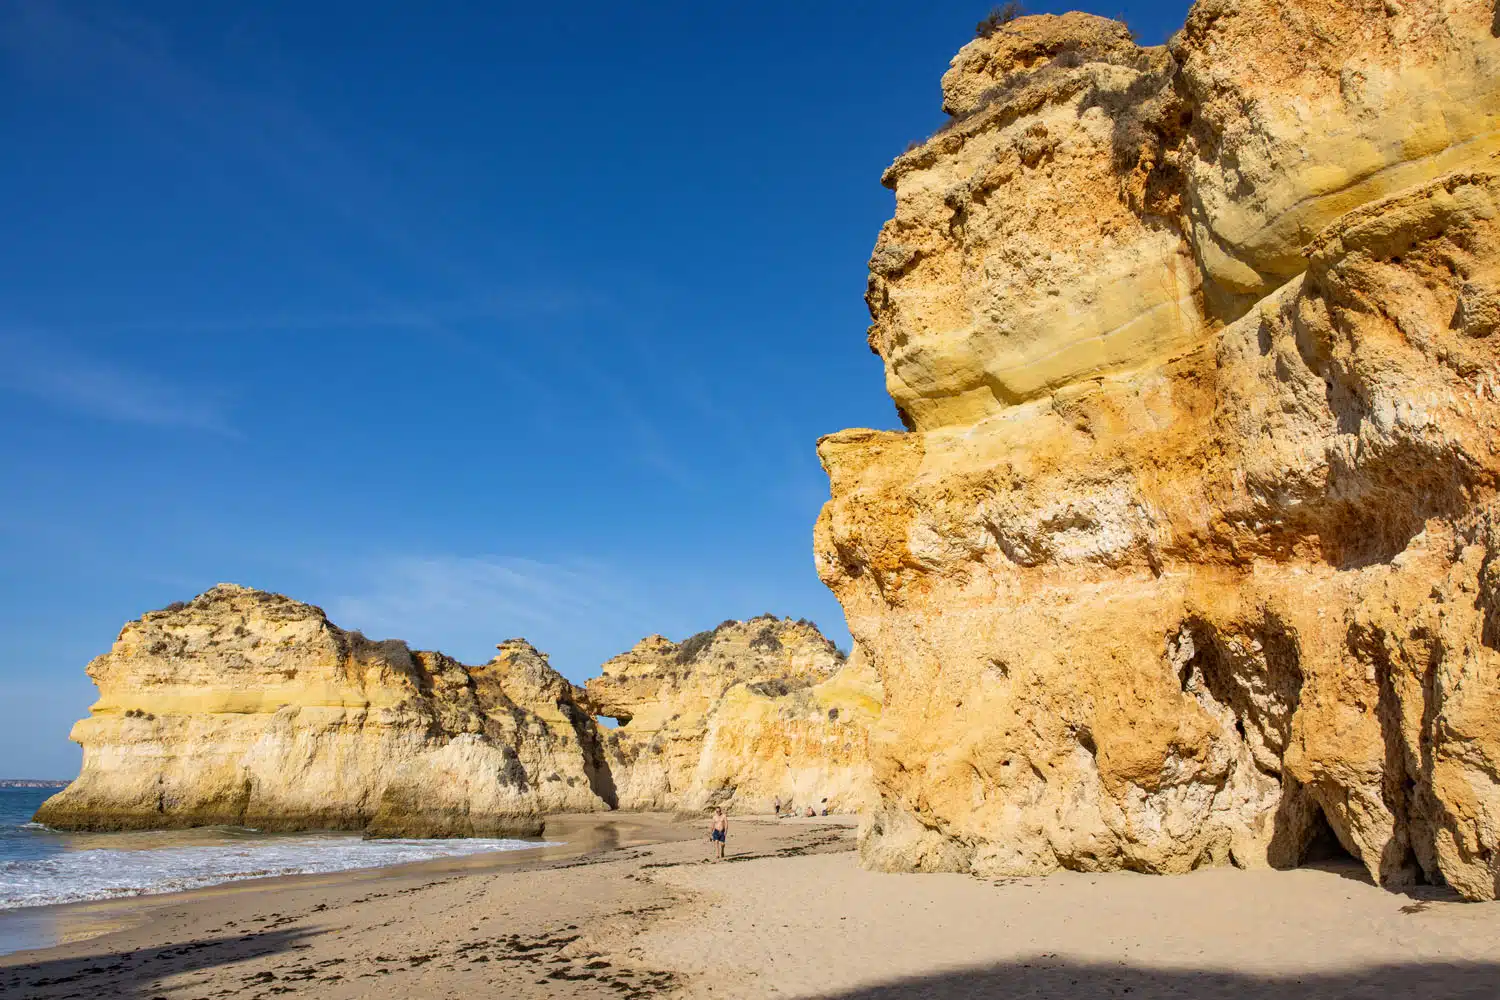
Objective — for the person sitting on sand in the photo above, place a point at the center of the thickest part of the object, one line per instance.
(825, 807)
(810, 813)
(720, 832)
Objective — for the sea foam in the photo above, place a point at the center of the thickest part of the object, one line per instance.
(106, 873)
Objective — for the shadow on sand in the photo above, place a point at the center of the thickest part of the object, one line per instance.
(1048, 978)
(136, 974)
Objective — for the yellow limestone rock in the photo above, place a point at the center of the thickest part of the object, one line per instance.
(1233, 590)
(244, 707)
(738, 716)
(248, 708)
(1094, 206)
(1013, 265)
(1306, 110)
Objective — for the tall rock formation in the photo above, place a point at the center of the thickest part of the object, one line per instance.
(1189, 553)
(248, 708)
(739, 716)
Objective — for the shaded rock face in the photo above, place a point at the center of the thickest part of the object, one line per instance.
(248, 708)
(1189, 558)
(739, 716)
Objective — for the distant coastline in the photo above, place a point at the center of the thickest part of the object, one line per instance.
(32, 783)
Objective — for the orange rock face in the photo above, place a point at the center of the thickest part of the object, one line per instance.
(739, 716)
(1188, 558)
(248, 708)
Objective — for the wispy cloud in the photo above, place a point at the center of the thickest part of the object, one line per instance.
(649, 443)
(582, 612)
(266, 130)
(61, 376)
(512, 305)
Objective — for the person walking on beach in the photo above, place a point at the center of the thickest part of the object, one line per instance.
(720, 832)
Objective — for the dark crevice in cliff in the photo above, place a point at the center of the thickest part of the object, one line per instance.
(1488, 600)
(591, 737)
(1251, 670)
(1410, 857)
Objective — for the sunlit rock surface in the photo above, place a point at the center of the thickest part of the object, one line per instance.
(1189, 556)
(739, 716)
(249, 708)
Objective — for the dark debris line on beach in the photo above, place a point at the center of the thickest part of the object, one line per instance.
(136, 974)
(558, 956)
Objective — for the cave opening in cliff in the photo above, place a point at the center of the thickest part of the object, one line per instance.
(612, 721)
(1323, 846)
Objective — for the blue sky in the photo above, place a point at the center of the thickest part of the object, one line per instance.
(464, 321)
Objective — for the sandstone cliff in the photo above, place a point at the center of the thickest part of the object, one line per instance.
(243, 707)
(248, 708)
(738, 716)
(1189, 554)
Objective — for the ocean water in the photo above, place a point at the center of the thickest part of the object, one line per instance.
(39, 866)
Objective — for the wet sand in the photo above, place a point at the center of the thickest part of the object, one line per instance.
(38, 927)
(790, 915)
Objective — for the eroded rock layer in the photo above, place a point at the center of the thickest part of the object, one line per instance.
(739, 716)
(1189, 556)
(249, 708)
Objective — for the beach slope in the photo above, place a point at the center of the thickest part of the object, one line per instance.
(789, 915)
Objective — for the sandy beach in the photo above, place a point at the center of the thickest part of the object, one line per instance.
(635, 908)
